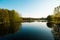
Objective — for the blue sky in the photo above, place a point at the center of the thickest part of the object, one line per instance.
(31, 8)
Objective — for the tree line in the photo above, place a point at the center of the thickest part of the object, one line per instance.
(10, 21)
(7, 16)
(56, 16)
(54, 19)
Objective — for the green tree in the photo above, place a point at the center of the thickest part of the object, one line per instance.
(8, 20)
(49, 18)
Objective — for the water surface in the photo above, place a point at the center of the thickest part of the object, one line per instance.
(31, 31)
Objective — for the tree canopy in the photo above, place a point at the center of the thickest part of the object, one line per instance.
(10, 21)
(55, 18)
(7, 16)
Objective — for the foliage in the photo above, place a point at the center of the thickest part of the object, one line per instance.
(9, 21)
(56, 16)
(49, 18)
(7, 16)
(54, 19)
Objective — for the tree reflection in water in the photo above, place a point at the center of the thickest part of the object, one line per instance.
(56, 30)
(49, 24)
(9, 28)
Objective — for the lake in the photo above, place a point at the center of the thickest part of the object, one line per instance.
(31, 31)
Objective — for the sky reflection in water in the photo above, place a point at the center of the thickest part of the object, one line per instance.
(31, 31)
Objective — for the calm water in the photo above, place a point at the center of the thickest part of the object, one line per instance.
(31, 31)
